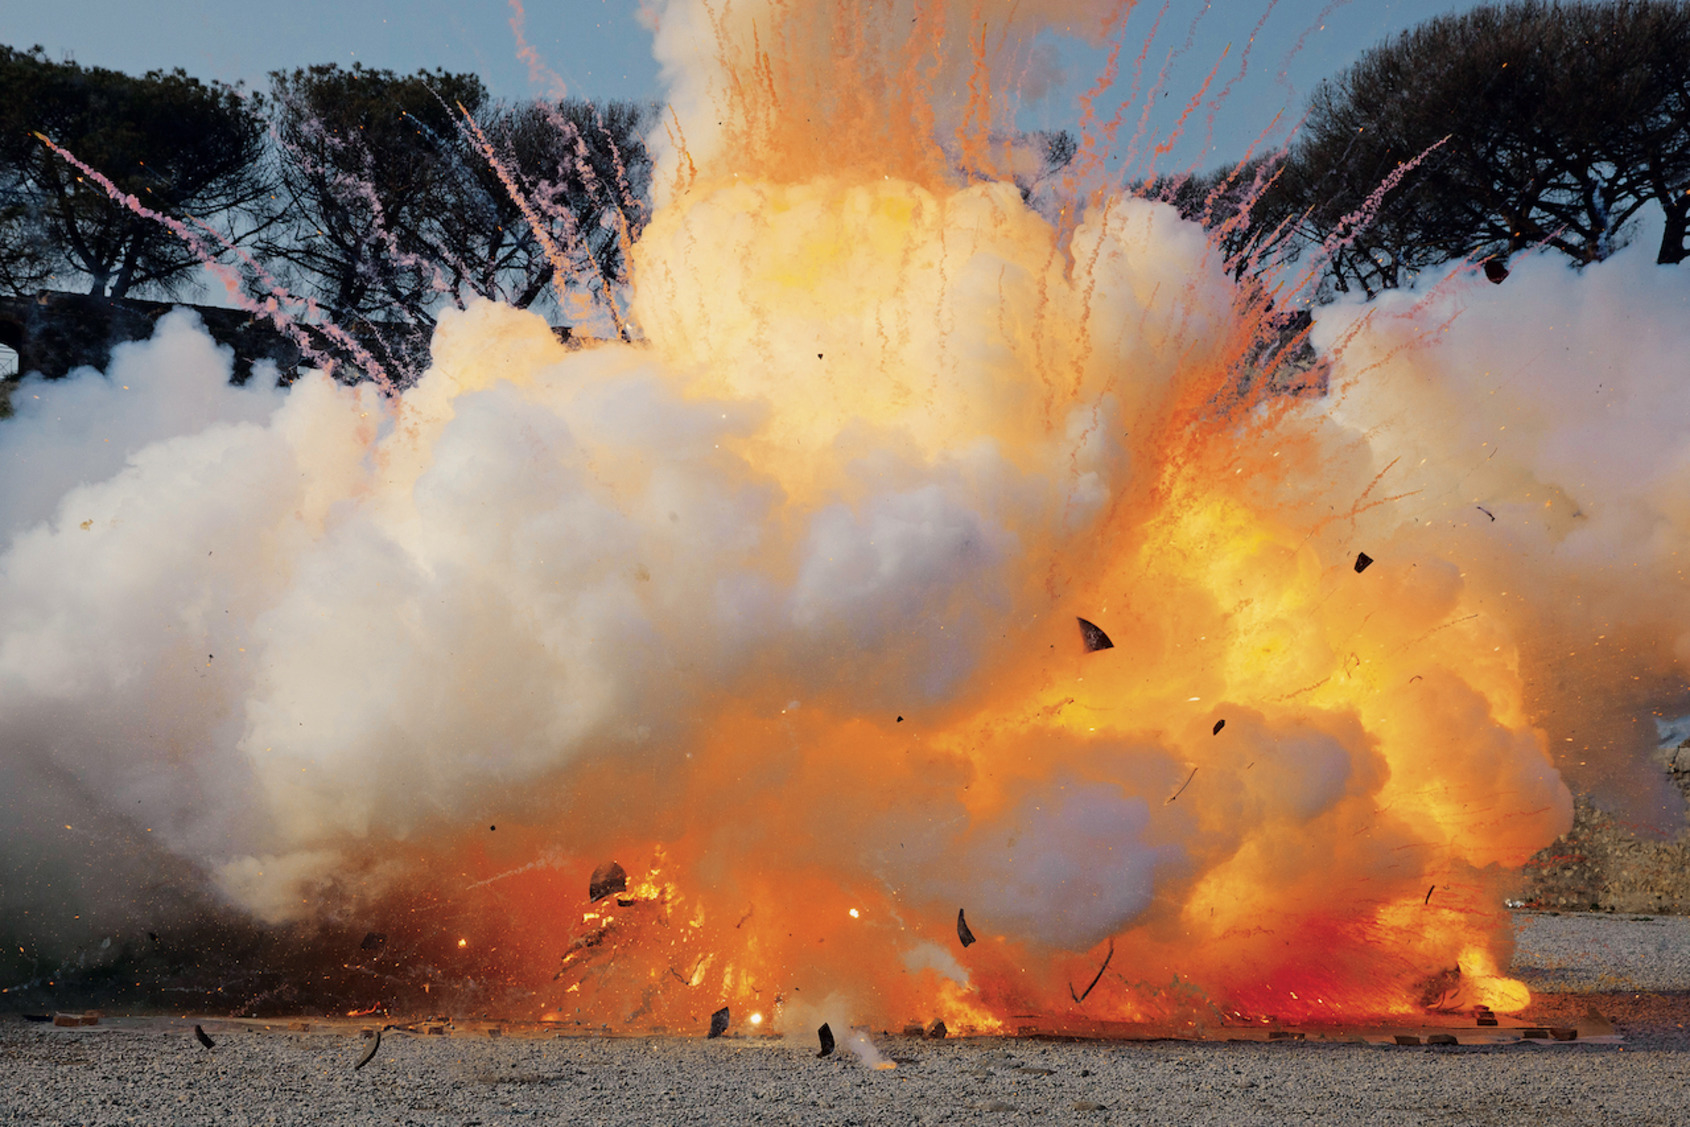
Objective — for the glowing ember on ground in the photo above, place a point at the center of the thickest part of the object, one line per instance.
(778, 607)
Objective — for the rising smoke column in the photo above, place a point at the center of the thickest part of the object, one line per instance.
(778, 606)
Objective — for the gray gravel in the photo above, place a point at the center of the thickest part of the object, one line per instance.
(1591, 953)
(1633, 970)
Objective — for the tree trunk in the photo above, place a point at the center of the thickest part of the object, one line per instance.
(1673, 248)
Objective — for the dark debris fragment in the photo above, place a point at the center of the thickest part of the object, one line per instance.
(962, 931)
(937, 1031)
(607, 878)
(826, 1036)
(369, 1053)
(718, 1023)
(373, 941)
(1219, 724)
(204, 1038)
(1363, 562)
(1093, 636)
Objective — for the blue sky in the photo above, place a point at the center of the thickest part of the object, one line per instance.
(601, 51)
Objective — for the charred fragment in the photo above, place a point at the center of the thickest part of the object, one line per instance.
(1169, 800)
(1429, 892)
(825, 1035)
(607, 879)
(937, 1031)
(203, 1038)
(369, 1053)
(718, 1023)
(1363, 562)
(962, 931)
(1093, 637)
(1495, 272)
(1219, 724)
(1098, 977)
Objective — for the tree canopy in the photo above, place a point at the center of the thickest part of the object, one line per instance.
(1476, 135)
(356, 197)
(183, 147)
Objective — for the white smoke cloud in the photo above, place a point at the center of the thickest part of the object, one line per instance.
(1535, 431)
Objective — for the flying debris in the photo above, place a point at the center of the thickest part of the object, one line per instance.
(1098, 977)
(1093, 636)
(1363, 561)
(1182, 787)
(936, 1031)
(203, 1038)
(826, 1036)
(373, 941)
(1495, 272)
(962, 931)
(369, 1053)
(606, 880)
(1429, 892)
(1219, 724)
(718, 1023)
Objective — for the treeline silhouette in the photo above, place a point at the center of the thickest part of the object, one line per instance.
(349, 197)
(361, 202)
(1472, 136)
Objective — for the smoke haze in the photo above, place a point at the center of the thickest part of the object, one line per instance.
(778, 608)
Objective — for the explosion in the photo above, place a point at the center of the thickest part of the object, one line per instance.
(777, 607)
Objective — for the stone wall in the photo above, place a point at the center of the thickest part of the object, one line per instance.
(1602, 865)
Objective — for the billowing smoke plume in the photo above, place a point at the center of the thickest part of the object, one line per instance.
(778, 608)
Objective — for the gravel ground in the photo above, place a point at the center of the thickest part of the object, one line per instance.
(1634, 970)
